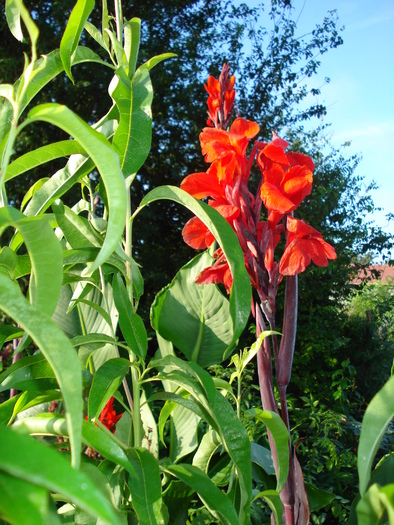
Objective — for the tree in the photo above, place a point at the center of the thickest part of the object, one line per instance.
(203, 34)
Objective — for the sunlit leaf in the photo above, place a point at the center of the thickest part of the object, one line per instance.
(107, 162)
(56, 348)
(280, 435)
(213, 498)
(240, 297)
(72, 33)
(195, 318)
(145, 487)
(377, 417)
(27, 459)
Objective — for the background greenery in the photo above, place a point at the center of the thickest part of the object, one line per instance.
(340, 337)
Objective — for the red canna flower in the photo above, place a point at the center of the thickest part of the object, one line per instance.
(304, 244)
(218, 273)
(108, 416)
(287, 179)
(221, 98)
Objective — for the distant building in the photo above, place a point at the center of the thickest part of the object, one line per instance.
(375, 272)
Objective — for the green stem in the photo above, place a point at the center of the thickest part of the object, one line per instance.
(119, 20)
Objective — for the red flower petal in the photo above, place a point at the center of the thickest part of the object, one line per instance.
(196, 234)
(200, 185)
(244, 127)
(275, 200)
(276, 154)
(299, 159)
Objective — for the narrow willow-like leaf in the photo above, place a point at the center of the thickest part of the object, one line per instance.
(218, 504)
(92, 436)
(240, 297)
(152, 62)
(375, 502)
(73, 32)
(106, 381)
(132, 139)
(15, 10)
(145, 487)
(25, 458)
(13, 18)
(236, 442)
(377, 417)
(32, 190)
(107, 162)
(31, 399)
(132, 30)
(76, 229)
(36, 509)
(29, 373)
(130, 323)
(195, 318)
(64, 179)
(95, 34)
(210, 442)
(42, 155)
(280, 435)
(272, 498)
(200, 380)
(56, 348)
(45, 253)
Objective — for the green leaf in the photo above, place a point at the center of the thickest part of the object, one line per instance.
(318, 498)
(27, 459)
(195, 318)
(23, 502)
(56, 348)
(106, 381)
(377, 417)
(73, 32)
(30, 400)
(145, 487)
(133, 137)
(240, 297)
(236, 442)
(49, 66)
(42, 155)
(45, 253)
(152, 62)
(210, 442)
(107, 162)
(29, 373)
(218, 504)
(263, 457)
(32, 190)
(272, 498)
(15, 10)
(280, 435)
(197, 381)
(92, 436)
(9, 332)
(374, 503)
(95, 34)
(76, 229)
(130, 323)
(84, 319)
(7, 408)
(132, 31)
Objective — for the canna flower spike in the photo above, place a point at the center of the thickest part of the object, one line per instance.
(286, 180)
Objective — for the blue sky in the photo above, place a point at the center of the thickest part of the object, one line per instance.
(360, 96)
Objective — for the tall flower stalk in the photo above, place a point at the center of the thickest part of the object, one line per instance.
(286, 179)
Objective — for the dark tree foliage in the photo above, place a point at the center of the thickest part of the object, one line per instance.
(270, 63)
